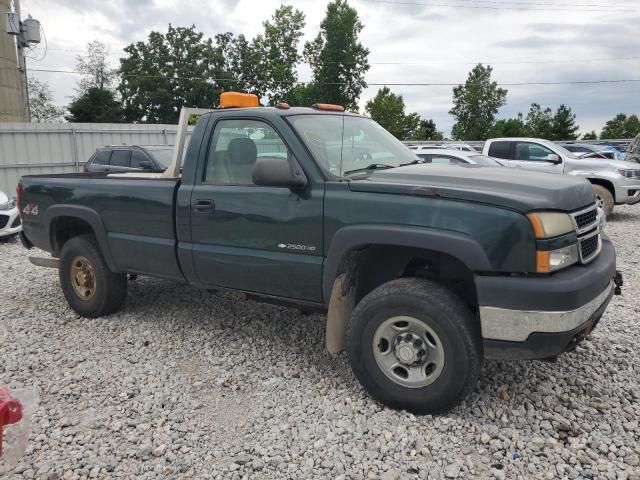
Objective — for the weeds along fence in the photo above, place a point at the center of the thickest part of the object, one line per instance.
(35, 148)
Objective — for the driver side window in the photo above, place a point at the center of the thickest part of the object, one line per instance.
(236, 146)
(531, 152)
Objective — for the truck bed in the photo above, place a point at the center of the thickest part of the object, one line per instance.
(136, 217)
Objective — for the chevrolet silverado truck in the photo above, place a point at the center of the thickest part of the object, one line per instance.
(615, 182)
(423, 271)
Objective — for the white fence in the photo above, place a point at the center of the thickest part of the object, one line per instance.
(35, 148)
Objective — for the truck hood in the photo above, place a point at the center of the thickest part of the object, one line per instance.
(603, 164)
(504, 187)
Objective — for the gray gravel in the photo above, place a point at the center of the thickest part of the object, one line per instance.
(184, 383)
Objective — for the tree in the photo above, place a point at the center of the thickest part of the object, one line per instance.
(95, 68)
(592, 135)
(337, 59)
(170, 71)
(388, 109)
(426, 130)
(41, 106)
(564, 124)
(96, 105)
(621, 126)
(475, 104)
(540, 122)
(510, 127)
(241, 62)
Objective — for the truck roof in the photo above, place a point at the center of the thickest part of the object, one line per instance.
(284, 111)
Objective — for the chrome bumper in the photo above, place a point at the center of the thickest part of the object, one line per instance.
(516, 325)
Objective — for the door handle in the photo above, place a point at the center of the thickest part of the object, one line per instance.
(204, 205)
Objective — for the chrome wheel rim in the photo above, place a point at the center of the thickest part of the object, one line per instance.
(408, 351)
(83, 278)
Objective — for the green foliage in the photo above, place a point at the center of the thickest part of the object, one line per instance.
(388, 109)
(337, 58)
(564, 124)
(510, 127)
(170, 71)
(592, 135)
(95, 106)
(475, 105)
(41, 106)
(540, 122)
(621, 126)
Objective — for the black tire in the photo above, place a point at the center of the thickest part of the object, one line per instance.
(109, 289)
(446, 315)
(605, 199)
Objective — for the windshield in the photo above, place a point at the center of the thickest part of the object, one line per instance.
(162, 155)
(484, 160)
(342, 144)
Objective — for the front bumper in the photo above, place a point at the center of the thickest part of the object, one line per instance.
(538, 317)
(9, 222)
(628, 194)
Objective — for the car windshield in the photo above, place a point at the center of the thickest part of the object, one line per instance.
(344, 144)
(484, 160)
(161, 155)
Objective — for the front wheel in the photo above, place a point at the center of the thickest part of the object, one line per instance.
(604, 199)
(88, 285)
(415, 345)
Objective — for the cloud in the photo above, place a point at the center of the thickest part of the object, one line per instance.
(434, 45)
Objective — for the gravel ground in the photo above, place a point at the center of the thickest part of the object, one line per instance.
(184, 383)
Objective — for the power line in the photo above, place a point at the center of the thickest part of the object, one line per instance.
(372, 84)
(506, 6)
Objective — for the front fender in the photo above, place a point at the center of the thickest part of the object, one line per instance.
(457, 245)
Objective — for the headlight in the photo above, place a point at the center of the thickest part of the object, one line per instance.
(9, 205)
(629, 173)
(552, 260)
(550, 224)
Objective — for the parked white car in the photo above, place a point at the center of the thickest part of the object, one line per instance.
(9, 218)
(615, 182)
(446, 146)
(455, 157)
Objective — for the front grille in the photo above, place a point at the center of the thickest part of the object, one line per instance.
(4, 219)
(589, 247)
(15, 223)
(586, 219)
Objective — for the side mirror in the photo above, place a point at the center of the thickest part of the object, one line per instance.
(146, 165)
(278, 172)
(553, 158)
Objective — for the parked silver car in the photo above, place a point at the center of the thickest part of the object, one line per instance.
(456, 157)
(588, 150)
(615, 182)
(9, 218)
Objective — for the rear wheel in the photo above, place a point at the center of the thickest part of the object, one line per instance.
(88, 285)
(414, 345)
(604, 199)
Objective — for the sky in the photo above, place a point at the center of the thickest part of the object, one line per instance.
(410, 41)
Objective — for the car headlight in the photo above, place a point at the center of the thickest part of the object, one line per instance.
(629, 173)
(548, 261)
(550, 224)
(9, 205)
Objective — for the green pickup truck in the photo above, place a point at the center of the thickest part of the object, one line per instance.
(423, 270)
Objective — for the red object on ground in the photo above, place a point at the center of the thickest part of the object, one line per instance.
(10, 411)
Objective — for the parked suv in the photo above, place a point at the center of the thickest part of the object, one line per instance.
(615, 182)
(130, 158)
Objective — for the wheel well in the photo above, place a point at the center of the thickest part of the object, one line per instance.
(65, 228)
(369, 267)
(604, 183)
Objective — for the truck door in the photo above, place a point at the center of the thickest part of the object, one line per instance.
(254, 238)
(534, 156)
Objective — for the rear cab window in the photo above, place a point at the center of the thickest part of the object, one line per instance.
(500, 150)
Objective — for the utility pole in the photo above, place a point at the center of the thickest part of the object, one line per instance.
(22, 63)
(26, 33)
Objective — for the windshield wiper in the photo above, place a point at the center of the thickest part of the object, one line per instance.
(373, 166)
(414, 162)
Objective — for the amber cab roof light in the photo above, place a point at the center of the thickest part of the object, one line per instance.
(328, 106)
(238, 100)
